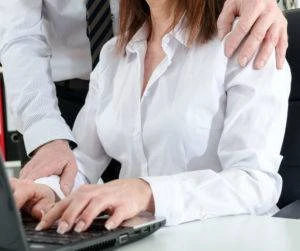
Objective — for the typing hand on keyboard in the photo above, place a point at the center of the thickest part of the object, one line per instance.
(33, 198)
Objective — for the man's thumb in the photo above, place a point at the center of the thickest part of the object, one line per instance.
(67, 178)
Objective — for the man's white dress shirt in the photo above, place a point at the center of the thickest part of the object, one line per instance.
(42, 41)
(206, 134)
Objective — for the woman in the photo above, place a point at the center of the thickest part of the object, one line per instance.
(195, 136)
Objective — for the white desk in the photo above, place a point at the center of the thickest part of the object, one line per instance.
(237, 233)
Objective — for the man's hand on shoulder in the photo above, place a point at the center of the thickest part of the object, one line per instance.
(53, 158)
(265, 24)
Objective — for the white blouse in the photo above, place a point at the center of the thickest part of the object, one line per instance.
(206, 134)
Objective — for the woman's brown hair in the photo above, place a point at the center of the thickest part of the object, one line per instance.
(201, 18)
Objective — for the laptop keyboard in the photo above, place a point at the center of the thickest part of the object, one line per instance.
(50, 236)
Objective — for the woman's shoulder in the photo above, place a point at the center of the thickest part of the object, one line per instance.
(268, 81)
(109, 49)
(109, 55)
(229, 69)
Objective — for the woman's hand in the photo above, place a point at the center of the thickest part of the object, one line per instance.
(122, 199)
(33, 198)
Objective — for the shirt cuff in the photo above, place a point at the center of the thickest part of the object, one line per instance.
(44, 131)
(167, 198)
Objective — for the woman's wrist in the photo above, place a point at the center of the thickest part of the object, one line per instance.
(147, 192)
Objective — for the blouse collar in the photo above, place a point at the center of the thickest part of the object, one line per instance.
(178, 33)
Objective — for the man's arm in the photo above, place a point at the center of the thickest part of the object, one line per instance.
(265, 24)
(31, 97)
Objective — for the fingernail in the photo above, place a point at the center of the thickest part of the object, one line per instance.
(243, 62)
(109, 225)
(260, 64)
(62, 227)
(40, 226)
(80, 226)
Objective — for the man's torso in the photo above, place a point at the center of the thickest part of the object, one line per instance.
(64, 24)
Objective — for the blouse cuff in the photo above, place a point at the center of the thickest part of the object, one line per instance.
(53, 182)
(167, 198)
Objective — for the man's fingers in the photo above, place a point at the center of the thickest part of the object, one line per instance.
(226, 18)
(35, 169)
(240, 31)
(40, 169)
(256, 38)
(281, 50)
(50, 159)
(68, 177)
(264, 54)
(267, 47)
(27, 169)
(32, 173)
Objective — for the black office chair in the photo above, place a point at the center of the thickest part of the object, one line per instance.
(290, 166)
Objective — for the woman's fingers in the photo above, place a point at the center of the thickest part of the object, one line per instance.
(123, 199)
(22, 197)
(94, 208)
(23, 192)
(72, 212)
(120, 214)
(53, 215)
(13, 183)
(32, 197)
(39, 209)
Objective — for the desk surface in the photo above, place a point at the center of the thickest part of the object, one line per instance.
(236, 233)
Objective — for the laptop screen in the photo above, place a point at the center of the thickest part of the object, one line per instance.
(11, 233)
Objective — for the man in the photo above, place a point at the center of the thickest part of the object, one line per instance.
(43, 42)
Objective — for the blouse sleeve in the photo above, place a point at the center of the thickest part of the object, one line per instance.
(90, 155)
(91, 158)
(249, 153)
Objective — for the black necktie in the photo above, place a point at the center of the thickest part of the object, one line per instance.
(99, 26)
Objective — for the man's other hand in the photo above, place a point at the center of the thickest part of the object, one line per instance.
(54, 158)
(265, 24)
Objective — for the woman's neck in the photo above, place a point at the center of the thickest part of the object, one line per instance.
(161, 19)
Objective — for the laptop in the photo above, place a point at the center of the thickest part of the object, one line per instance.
(17, 231)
